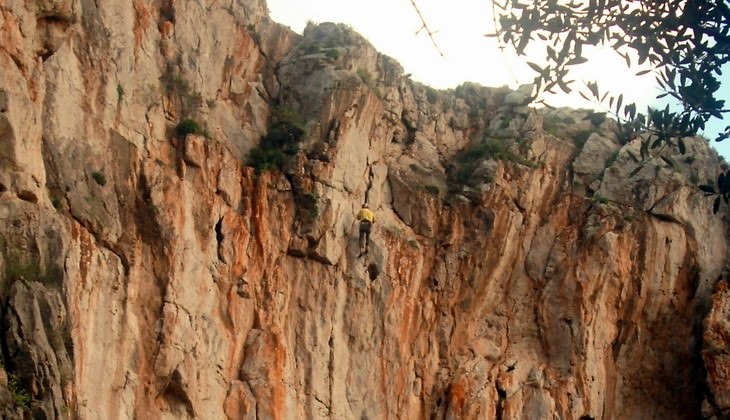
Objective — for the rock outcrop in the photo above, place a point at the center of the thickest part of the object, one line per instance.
(178, 186)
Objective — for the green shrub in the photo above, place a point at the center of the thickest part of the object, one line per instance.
(497, 149)
(580, 138)
(284, 136)
(413, 244)
(473, 153)
(365, 76)
(99, 177)
(21, 397)
(431, 95)
(288, 115)
(280, 143)
(332, 53)
(596, 118)
(469, 159)
(378, 93)
(466, 162)
(30, 269)
(263, 160)
(188, 126)
(553, 124)
(120, 92)
(463, 176)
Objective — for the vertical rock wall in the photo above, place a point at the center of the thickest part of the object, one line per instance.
(147, 272)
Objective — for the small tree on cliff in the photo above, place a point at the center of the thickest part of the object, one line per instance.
(686, 42)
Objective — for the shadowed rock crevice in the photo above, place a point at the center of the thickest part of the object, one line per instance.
(54, 21)
(175, 395)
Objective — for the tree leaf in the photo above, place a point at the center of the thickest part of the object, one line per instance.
(630, 111)
(632, 155)
(520, 49)
(564, 86)
(668, 161)
(644, 149)
(576, 61)
(535, 67)
(627, 59)
(593, 87)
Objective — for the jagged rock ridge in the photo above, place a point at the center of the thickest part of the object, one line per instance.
(524, 264)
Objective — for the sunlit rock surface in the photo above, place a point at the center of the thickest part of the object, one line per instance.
(524, 264)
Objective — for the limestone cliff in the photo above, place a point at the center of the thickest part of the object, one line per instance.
(178, 190)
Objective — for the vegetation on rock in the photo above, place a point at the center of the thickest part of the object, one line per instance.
(188, 126)
(685, 43)
(280, 143)
(99, 177)
(468, 161)
(21, 397)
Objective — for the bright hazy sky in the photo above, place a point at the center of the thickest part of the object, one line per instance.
(392, 27)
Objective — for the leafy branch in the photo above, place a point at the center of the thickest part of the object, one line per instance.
(722, 192)
(685, 42)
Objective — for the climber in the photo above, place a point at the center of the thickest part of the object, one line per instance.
(366, 218)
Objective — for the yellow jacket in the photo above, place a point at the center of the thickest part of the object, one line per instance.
(366, 214)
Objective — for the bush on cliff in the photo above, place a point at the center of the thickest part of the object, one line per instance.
(280, 144)
(188, 126)
(467, 169)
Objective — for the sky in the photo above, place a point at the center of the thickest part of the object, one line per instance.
(462, 52)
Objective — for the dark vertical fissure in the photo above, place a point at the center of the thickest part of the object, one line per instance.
(501, 398)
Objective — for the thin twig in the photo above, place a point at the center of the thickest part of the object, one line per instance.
(425, 27)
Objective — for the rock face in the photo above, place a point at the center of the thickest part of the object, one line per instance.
(178, 238)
